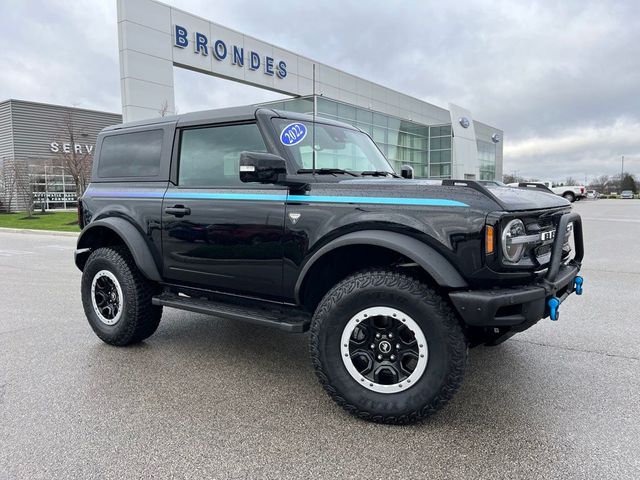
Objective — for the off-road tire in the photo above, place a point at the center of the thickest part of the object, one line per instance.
(140, 318)
(446, 343)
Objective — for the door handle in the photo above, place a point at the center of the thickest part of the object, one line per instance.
(178, 210)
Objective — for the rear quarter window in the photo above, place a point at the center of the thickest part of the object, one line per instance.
(135, 154)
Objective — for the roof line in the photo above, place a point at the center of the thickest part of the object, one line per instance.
(58, 105)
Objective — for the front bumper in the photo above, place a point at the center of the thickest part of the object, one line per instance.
(520, 307)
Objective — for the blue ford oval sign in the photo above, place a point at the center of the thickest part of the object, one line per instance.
(293, 133)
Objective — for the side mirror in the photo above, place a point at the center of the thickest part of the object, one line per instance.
(261, 167)
(406, 172)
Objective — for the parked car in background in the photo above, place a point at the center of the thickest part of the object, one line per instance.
(626, 194)
(593, 194)
(570, 192)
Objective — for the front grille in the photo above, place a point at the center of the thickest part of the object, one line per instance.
(541, 253)
(539, 224)
(542, 250)
(538, 254)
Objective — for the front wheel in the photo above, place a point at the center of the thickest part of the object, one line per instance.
(387, 348)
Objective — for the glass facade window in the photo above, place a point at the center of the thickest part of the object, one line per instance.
(443, 156)
(487, 160)
(440, 170)
(441, 143)
(440, 151)
(346, 113)
(327, 108)
(441, 131)
(52, 188)
(380, 119)
(425, 148)
(298, 105)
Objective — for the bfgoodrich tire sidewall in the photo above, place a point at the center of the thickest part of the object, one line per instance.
(429, 317)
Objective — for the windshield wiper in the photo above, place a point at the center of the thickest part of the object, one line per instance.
(327, 171)
(379, 173)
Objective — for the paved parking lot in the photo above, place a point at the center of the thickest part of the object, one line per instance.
(207, 398)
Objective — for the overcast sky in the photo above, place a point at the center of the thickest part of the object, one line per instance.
(561, 78)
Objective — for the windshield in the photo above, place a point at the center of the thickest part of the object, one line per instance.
(336, 147)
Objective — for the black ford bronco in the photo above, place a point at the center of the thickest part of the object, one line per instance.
(276, 219)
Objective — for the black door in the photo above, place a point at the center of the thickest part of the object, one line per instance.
(219, 233)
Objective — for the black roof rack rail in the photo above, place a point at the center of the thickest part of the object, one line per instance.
(475, 186)
(539, 185)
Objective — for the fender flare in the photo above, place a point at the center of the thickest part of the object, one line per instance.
(132, 238)
(425, 256)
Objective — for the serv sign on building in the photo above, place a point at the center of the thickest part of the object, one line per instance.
(36, 142)
(154, 38)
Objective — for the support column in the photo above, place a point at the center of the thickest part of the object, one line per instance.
(465, 149)
(146, 68)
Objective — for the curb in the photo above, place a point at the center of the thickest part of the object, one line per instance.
(54, 233)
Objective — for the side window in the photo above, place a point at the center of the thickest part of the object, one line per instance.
(210, 157)
(131, 155)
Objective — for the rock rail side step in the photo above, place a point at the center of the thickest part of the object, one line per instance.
(287, 319)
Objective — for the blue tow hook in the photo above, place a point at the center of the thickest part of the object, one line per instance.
(578, 284)
(554, 305)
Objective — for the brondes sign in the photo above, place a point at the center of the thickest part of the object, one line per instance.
(226, 52)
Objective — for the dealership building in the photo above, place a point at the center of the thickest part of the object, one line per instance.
(39, 146)
(437, 142)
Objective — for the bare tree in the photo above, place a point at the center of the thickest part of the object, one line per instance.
(4, 193)
(512, 178)
(18, 185)
(615, 183)
(600, 184)
(164, 108)
(570, 181)
(76, 162)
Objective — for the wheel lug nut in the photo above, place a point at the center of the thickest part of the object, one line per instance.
(393, 357)
(379, 357)
(390, 335)
(373, 346)
(378, 335)
(397, 346)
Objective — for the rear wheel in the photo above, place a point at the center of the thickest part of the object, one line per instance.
(569, 196)
(387, 348)
(117, 298)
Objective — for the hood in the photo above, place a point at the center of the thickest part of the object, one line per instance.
(502, 198)
(526, 198)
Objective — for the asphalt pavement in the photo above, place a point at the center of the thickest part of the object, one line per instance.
(210, 398)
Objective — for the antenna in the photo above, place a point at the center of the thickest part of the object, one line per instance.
(313, 126)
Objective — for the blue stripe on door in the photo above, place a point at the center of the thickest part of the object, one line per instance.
(226, 196)
(433, 202)
(176, 195)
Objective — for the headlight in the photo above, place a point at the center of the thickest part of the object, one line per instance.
(511, 250)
